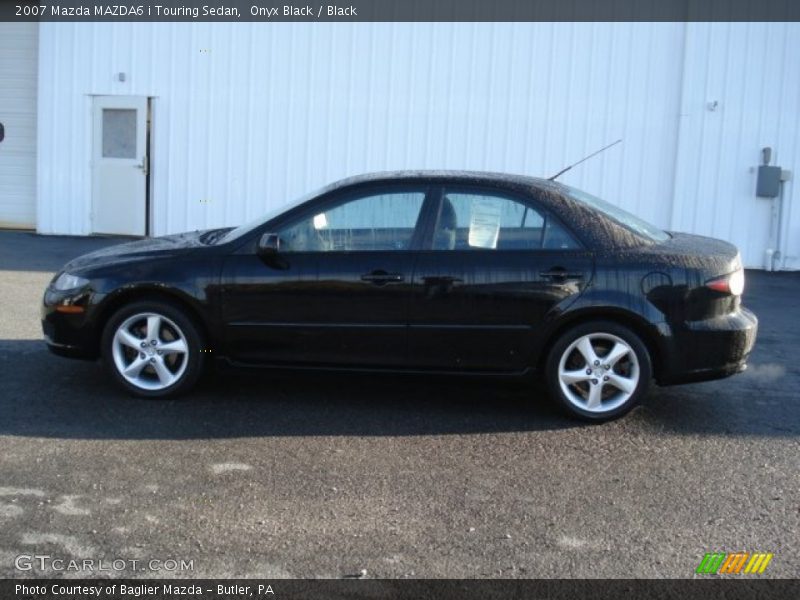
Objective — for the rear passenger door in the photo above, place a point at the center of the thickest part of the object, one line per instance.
(493, 266)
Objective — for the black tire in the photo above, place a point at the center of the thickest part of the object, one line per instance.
(615, 402)
(175, 319)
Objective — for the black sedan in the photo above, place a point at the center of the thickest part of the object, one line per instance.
(418, 271)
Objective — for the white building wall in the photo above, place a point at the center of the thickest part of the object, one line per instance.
(18, 47)
(249, 115)
(752, 71)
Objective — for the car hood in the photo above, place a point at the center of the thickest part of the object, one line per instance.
(159, 247)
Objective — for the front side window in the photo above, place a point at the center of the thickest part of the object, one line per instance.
(475, 221)
(370, 223)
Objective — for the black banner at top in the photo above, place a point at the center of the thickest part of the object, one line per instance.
(400, 10)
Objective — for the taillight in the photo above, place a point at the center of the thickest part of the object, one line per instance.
(732, 283)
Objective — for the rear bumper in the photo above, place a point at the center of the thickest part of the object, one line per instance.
(710, 349)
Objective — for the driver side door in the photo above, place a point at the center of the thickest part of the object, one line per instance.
(338, 289)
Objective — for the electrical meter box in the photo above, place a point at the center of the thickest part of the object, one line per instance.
(768, 183)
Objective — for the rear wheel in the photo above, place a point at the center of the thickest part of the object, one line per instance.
(152, 349)
(598, 371)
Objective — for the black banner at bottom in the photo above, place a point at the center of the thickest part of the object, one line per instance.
(418, 589)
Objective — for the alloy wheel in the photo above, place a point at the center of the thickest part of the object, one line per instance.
(150, 351)
(598, 372)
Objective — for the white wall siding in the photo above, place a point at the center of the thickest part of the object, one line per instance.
(753, 71)
(247, 116)
(18, 60)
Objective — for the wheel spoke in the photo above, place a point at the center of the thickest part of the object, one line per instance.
(174, 347)
(586, 350)
(165, 376)
(570, 377)
(133, 370)
(618, 351)
(153, 327)
(595, 396)
(623, 384)
(126, 338)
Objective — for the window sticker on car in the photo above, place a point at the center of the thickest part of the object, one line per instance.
(484, 223)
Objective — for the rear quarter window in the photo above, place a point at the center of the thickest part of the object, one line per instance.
(629, 221)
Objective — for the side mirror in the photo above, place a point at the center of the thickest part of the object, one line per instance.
(269, 244)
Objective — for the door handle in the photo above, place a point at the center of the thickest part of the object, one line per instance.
(560, 274)
(381, 277)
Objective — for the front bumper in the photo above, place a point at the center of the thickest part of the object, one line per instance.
(710, 349)
(68, 334)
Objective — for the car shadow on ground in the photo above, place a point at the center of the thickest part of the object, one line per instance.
(47, 396)
(54, 397)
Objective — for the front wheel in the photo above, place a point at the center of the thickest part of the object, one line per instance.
(598, 371)
(152, 349)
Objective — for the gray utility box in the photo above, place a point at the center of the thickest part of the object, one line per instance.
(768, 183)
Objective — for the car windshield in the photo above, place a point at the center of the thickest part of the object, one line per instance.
(623, 217)
(242, 230)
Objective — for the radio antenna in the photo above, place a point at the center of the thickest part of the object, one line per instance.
(564, 170)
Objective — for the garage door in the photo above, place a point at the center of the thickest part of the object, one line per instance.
(18, 68)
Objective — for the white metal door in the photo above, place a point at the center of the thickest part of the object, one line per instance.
(119, 165)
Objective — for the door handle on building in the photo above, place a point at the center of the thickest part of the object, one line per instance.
(143, 166)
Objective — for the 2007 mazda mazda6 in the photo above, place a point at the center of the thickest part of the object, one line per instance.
(418, 271)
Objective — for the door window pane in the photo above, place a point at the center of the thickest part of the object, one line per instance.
(379, 222)
(119, 133)
(478, 221)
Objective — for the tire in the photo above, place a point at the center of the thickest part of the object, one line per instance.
(153, 349)
(596, 390)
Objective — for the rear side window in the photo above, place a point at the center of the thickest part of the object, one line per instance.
(623, 217)
(477, 221)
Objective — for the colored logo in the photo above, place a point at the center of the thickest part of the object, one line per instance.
(734, 562)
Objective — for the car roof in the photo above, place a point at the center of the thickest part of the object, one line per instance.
(477, 177)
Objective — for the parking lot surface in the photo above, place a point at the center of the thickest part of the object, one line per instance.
(263, 474)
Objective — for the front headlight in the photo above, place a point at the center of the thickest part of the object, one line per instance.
(67, 281)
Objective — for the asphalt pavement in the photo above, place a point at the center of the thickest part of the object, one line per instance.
(263, 474)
